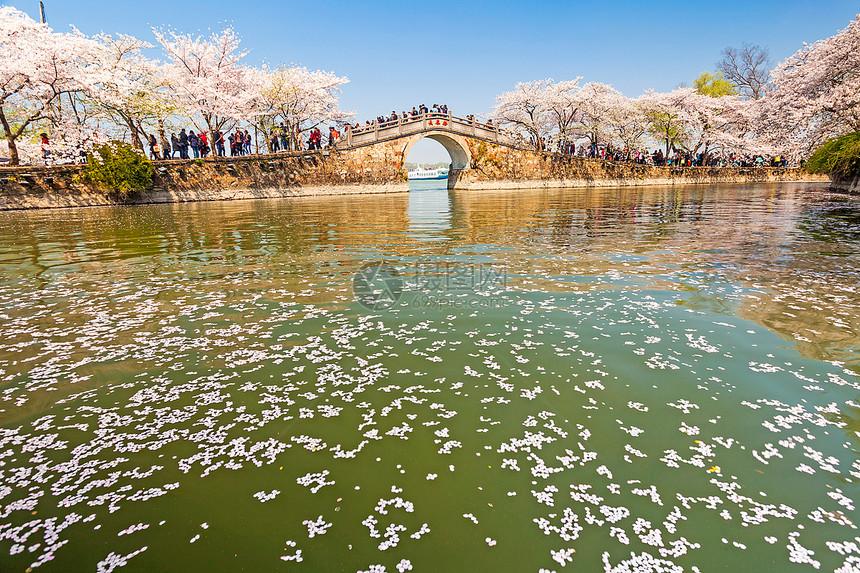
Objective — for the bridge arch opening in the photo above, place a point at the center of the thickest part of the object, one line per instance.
(457, 152)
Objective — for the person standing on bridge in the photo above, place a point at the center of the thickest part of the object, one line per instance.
(238, 143)
(183, 144)
(218, 140)
(46, 148)
(153, 147)
(194, 143)
(165, 146)
(282, 133)
(315, 140)
(204, 143)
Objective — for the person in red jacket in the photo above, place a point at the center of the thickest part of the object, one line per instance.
(46, 150)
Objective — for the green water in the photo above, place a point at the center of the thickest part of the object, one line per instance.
(632, 379)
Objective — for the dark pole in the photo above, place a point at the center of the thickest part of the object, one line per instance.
(42, 12)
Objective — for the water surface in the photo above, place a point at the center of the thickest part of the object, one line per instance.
(655, 378)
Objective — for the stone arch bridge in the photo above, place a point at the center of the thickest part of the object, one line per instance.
(483, 156)
(465, 140)
(368, 159)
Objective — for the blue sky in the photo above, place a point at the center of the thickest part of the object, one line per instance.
(464, 54)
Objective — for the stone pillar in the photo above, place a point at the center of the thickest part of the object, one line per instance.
(453, 177)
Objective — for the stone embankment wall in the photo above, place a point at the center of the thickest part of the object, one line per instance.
(500, 167)
(376, 168)
(846, 185)
(212, 179)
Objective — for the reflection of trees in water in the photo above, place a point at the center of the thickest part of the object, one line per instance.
(815, 308)
(836, 220)
(814, 298)
(800, 250)
(74, 277)
(236, 232)
(595, 222)
(798, 255)
(849, 421)
(566, 216)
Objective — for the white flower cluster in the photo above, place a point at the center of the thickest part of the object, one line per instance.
(316, 527)
(315, 478)
(263, 497)
(297, 556)
(563, 556)
(114, 561)
(133, 528)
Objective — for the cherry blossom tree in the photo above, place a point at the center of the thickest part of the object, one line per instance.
(563, 103)
(206, 78)
(668, 117)
(688, 120)
(628, 122)
(524, 111)
(816, 93)
(300, 98)
(597, 104)
(126, 88)
(38, 68)
(716, 122)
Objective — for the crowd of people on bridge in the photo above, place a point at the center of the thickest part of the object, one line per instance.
(675, 157)
(382, 120)
(184, 144)
(238, 142)
(280, 139)
(680, 158)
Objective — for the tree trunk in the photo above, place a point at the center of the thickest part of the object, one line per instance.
(162, 137)
(135, 135)
(266, 135)
(10, 139)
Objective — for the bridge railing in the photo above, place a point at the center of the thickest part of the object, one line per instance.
(423, 122)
